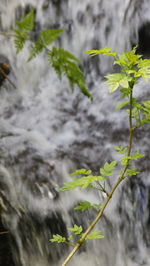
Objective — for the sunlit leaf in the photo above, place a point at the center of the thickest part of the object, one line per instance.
(77, 230)
(81, 172)
(117, 79)
(104, 51)
(58, 238)
(94, 235)
(121, 105)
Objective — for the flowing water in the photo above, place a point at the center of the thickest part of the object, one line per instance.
(47, 131)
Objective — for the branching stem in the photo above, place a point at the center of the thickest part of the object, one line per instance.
(109, 196)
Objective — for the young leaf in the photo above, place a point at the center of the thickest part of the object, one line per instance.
(110, 166)
(105, 173)
(146, 107)
(116, 80)
(121, 105)
(82, 182)
(120, 149)
(144, 68)
(128, 59)
(84, 205)
(125, 92)
(94, 235)
(132, 172)
(104, 51)
(137, 155)
(58, 238)
(81, 172)
(125, 160)
(77, 230)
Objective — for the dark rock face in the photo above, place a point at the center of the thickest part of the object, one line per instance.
(144, 40)
(5, 247)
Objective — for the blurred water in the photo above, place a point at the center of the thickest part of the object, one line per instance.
(47, 131)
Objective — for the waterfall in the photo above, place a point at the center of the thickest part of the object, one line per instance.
(47, 131)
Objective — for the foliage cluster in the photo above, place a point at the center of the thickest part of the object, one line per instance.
(132, 68)
(63, 62)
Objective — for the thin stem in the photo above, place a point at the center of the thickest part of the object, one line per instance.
(5, 76)
(102, 188)
(109, 196)
(4, 233)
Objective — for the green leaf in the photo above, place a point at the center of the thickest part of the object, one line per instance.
(58, 238)
(94, 235)
(108, 167)
(137, 105)
(121, 105)
(146, 106)
(35, 50)
(84, 205)
(49, 36)
(104, 51)
(82, 182)
(105, 173)
(132, 172)
(81, 172)
(27, 22)
(20, 39)
(46, 38)
(144, 69)
(24, 28)
(65, 63)
(137, 155)
(77, 230)
(120, 149)
(128, 59)
(116, 80)
(125, 92)
(125, 160)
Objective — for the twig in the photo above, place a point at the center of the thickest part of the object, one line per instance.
(5, 232)
(5, 76)
(102, 188)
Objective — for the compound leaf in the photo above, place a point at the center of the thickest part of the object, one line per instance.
(58, 238)
(104, 51)
(81, 172)
(77, 230)
(27, 22)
